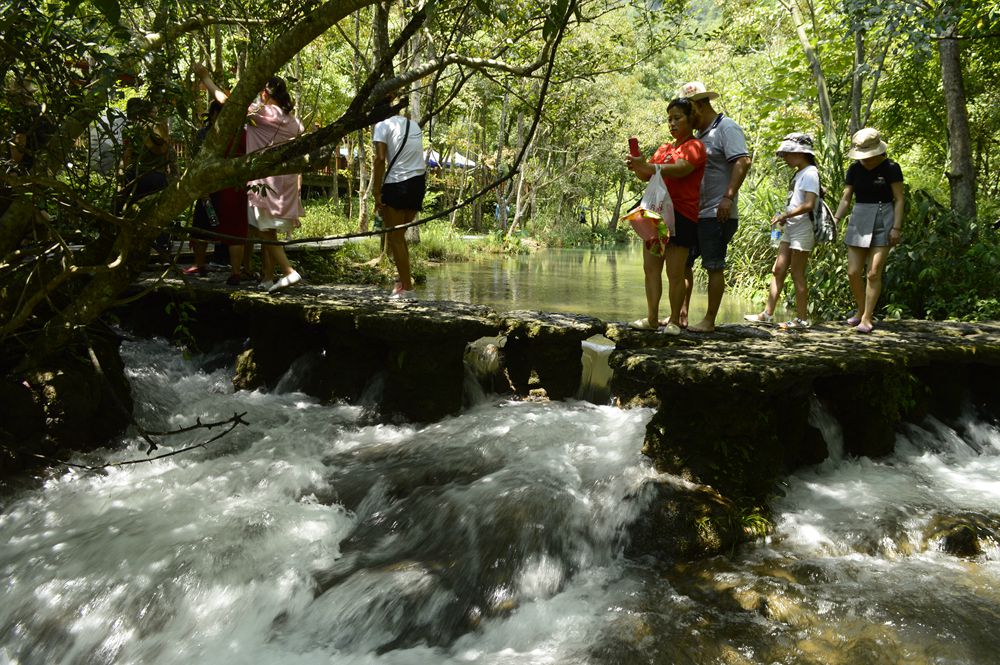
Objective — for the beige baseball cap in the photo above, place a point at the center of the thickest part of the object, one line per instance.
(696, 91)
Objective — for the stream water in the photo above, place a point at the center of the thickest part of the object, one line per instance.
(605, 283)
(317, 535)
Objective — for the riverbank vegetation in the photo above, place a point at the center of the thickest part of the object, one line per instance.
(525, 107)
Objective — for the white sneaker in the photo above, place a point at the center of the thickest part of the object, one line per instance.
(286, 281)
(403, 294)
(671, 329)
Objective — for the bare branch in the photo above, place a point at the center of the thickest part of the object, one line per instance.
(233, 423)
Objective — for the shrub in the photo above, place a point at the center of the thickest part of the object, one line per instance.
(945, 267)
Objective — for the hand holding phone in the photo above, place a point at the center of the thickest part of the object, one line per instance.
(633, 146)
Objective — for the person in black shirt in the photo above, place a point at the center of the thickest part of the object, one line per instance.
(876, 221)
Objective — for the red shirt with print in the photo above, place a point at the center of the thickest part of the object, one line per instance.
(685, 192)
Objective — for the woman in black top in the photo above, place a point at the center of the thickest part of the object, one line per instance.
(876, 222)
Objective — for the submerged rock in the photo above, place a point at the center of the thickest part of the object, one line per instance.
(682, 521)
(964, 534)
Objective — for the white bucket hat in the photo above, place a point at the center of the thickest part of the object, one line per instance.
(866, 143)
(696, 91)
(796, 142)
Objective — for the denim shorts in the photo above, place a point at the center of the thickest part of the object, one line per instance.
(713, 242)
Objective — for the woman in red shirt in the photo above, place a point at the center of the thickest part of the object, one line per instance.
(683, 167)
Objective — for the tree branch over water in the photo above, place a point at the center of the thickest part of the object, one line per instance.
(233, 422)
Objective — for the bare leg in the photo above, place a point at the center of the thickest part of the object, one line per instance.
(274, 255)
(199, 247)
(248, 250)
(266, 257)
(856, 259)
(716, 287)
(676, 260)
(688, 288)
(778, 273)
(874, 287)
(799, 261)
(396, 240)
(652, 269)
(235, 259)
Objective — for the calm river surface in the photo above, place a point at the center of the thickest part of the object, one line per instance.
(318, 535)
(606, 283)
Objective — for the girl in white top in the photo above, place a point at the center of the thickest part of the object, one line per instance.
(797, 240)
(399, 184)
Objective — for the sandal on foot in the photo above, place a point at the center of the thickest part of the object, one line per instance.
(864, 328)
(794, 324)
(853, 320)
(641, 324)
(763, 317)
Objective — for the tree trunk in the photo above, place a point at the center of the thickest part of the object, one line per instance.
(364, 182)
(501, 141)
(613, 222)
(856, 89)
(962, 173)
(822, 90)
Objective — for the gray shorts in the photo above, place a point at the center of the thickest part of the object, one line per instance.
(869, 225)
(713, 242)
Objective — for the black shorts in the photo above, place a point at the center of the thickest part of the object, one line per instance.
(406, 195)
(687, 232)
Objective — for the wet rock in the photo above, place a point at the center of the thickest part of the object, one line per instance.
(682, 521)
(733, 405)
(77, 401)
(964, 534)
(542, 350)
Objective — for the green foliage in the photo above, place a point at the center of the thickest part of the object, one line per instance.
(755, 522)
(338, 266)
(945, 268)
(440, 241)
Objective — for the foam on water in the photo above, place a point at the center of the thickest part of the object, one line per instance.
(315, 536)
(219, 555)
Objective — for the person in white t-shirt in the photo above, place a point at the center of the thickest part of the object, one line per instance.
(399, 184)
(797, 238)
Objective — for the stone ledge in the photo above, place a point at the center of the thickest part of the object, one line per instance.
(733, 406)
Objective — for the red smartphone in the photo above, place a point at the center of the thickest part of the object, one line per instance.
(633, 146)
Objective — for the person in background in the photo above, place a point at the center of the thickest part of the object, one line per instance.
(399, 183)
(876, 223)
(797, 240)
(148, 159)
(725, 170)
(223, 212)
(275, 201)
(683, 167)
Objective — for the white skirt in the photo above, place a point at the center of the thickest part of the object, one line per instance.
(262, 220)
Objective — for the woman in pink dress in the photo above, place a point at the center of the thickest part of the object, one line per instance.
(274, 202)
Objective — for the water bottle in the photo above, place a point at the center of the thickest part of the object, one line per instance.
(213, 217)
(775, 235)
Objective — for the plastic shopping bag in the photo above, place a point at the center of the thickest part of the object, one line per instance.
(653, 218)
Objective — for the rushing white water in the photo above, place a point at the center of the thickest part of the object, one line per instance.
(316, 535)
